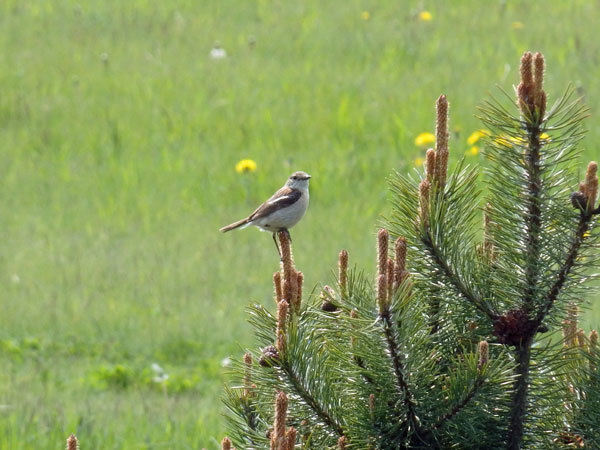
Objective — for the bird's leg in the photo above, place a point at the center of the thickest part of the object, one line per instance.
(276, 244)
(289, 236)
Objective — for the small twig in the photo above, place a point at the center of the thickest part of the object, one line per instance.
(251, 417)
(460, 405)
(310, 400)
(361, 363)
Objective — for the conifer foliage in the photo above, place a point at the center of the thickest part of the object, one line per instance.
(457, 341)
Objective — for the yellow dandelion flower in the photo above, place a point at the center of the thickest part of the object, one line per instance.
(424, 139)
(476, 135)
(509, 141)
(517, 140)
(419, 162)
(517, 25)
(503, 141)
(425, 16)
(365, 15)
(245, 165)
(473, 151)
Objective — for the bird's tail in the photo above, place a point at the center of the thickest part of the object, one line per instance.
(234, 225)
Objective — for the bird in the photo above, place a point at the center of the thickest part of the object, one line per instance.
(282, 210)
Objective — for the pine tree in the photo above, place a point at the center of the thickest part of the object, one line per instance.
(468, 336)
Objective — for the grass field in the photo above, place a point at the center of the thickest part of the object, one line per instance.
(118, 141)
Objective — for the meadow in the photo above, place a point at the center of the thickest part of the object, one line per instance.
(119, 138)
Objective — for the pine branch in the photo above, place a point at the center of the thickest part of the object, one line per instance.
(399, 370)
(453, 277)
(561, 277)
(310, 400)
(244, 420)
(483, 359)
(460, 405)
(250, 415)
(533, 219)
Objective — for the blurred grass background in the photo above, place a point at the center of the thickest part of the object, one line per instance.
(118, 141)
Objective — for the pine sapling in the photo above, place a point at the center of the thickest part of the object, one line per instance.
(455, 335)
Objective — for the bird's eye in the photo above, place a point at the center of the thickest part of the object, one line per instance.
(294, 178)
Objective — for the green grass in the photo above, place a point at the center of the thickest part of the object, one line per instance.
(118, 141)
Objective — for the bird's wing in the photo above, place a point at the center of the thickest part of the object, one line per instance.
(283, 198)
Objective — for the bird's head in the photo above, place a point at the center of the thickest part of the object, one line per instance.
(298, 180)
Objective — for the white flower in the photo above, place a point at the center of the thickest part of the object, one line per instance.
(218, 52)
(161, 376)
(161, 379)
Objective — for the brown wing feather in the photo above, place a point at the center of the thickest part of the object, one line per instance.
(285, 196)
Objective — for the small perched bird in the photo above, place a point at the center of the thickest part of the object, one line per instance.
(282, 211)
